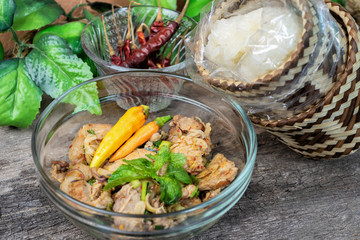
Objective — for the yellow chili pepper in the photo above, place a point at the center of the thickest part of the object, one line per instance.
(131, 121)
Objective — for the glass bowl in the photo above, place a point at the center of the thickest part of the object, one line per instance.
(94, 43)
(232, 133)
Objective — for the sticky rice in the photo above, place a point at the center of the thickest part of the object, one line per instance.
(255, 43)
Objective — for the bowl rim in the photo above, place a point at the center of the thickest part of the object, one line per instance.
(250, 150)
(97, 60)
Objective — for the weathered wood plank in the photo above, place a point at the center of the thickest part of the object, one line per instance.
(289, 197)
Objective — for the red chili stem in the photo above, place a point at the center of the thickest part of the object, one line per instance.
(111, 50)
(120, 40)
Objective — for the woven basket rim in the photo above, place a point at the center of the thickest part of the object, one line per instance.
(307, 23)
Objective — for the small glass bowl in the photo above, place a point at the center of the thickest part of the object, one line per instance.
(94, 43)
(232, 133)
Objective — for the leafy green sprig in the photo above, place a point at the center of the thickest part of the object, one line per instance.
(141, 168)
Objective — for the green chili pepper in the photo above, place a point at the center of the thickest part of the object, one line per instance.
(70, 32)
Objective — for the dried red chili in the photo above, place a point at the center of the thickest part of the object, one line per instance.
(154, 44)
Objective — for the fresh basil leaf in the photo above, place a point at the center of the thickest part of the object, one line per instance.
(30, 14)
(55, 69)
(7, 11)
(142, 165)
(170, 190)
(177, 159)
(179, 173)
(125, 173)
(19, 96)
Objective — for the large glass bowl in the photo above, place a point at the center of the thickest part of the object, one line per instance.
(94, 43)
(232, 133)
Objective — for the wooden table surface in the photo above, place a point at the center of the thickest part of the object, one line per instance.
(289, 197)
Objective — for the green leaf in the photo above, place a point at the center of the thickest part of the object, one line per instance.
(179, 173)
(70, 32)
(142, 165)
(32, 14)
(88, 15)
(170, 190)
(19, 97)
(55, 69)
(177, 159)
(7, 11)
(148, 2)
(92, 181)
(171, 4)
(195, 7)
(161, 157)
(125, 173)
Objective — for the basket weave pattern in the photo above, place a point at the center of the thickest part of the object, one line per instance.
(331, 128)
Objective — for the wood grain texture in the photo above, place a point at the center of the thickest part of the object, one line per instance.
(289, 197)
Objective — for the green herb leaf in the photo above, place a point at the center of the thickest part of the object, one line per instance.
(161, 157)
(70, 32)
(142, 165)
(177, 159)
(30, 15)
(179, 173)
(194, 179)
(92, 181)
(7, 11)
(19, 97)
(55, 69)
(195, 193)
(157, 143)
(125, 173)
(91, 131)
(170, 190)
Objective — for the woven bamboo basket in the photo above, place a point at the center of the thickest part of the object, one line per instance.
(293, 72)
(331, 128)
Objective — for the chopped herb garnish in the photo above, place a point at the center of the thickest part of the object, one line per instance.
(195, 193)
(194, 179)
(170, 183)
(110, 206)
(159, 227)
(91, 131)
(92, 181)
(157, 143)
